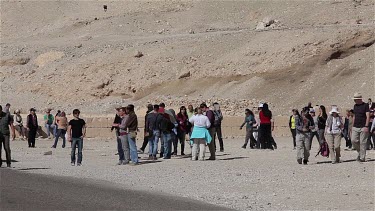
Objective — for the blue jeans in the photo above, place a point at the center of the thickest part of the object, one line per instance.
(60, 133)
(120, 150)
(166, 138)
(49, 127)
(77, 142)
(133, 149)
(153, 143)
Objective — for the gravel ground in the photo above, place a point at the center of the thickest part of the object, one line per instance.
(242, 179)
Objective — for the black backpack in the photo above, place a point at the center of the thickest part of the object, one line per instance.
(165, 125)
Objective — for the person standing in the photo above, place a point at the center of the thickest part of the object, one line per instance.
(18, 124)
(360, 130)
(334, 127)
(166, 126)
(122, 140)
(183, 122)
(304, 125)
(322, 119)
(371, 143)
(131, 125)
(49, 123)
(7, 108)
(211, 117)
(32, 127)
(116, 122)
(346, 129)
(200, 135)
(153, 129)
(146, 138)
(265, 129)
(217, 124)
(249, 121)
(190, 111)
(62, 126)
(77, 131)
(371, 104)
(292, 126)
(314, 132)
(6, 122)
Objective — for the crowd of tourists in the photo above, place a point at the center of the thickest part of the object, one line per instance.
(357, 127)
(199, 127)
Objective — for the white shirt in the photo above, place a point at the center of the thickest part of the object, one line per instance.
(200, 120)
(335, 126)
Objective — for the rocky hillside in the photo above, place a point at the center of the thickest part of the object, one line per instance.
(65, 54)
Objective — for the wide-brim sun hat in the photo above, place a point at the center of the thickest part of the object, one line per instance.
(334, 110)
(357, 96)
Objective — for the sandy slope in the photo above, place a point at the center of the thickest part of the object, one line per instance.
(64, 54)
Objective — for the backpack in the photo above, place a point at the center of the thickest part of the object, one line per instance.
(166, 125)
(324, 150)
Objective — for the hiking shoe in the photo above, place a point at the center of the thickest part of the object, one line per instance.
(134, 164)
(244, 147)
(299, 160)
(73, 164)
(305, 162)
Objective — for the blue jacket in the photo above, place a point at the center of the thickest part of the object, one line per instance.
(200, 132)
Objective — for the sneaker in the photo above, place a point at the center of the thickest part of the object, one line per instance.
(244, 147)
(222, 150)
(182, 154)
(174, 154)
(299, 160)
(362, 160)
(150, 157)
(154, 158)
(79, 164)
(334, 162)
(211, 158)
(8, 165)
(53, 147)
(72, 164)
(119, 162)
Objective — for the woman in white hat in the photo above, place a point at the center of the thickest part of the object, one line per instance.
(334, 127)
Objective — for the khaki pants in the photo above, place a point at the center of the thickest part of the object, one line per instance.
(211, 146)
(359, 141)
(303, 146)
(334, 143)
(202, 148)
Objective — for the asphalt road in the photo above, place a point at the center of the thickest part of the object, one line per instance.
(25, 191)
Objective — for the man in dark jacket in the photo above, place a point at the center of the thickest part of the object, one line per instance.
(32, 126)
(217, 123)
(6, 122)
(131, 126)
(145, 139)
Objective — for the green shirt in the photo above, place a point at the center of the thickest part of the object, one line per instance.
(49, 118)
(190, 114)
